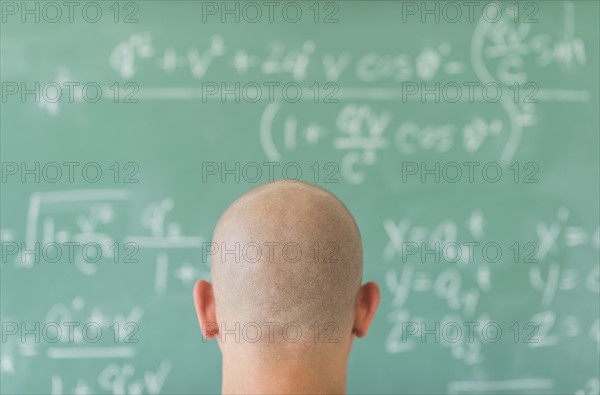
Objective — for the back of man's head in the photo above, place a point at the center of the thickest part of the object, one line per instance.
(299, 261)
(286, 268)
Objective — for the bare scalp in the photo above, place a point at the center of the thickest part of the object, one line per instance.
(310, 265)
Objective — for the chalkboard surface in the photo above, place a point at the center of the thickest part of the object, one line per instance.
(464, 139)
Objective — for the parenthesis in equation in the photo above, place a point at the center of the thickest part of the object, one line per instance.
(516, 126)
(265, 130)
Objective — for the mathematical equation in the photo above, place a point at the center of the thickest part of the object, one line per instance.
(92, 219)
(463, 284)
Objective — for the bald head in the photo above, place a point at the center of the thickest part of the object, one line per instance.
(287, 252)
(286, 255)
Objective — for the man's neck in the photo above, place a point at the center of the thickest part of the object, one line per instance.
(281, 375)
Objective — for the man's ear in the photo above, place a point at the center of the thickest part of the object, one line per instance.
(367, 301)
(204, 300)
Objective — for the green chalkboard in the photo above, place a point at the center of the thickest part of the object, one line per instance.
(463, 138)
